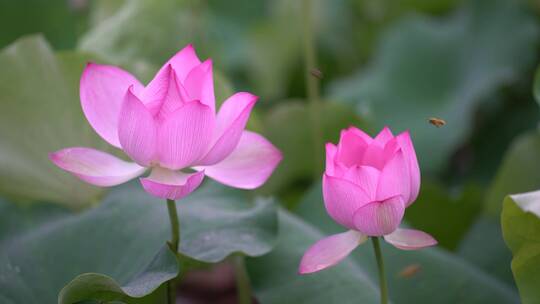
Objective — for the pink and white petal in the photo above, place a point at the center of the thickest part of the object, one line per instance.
(410, 239)
(384, 136)
(199, 84)
(330, 251)
(137, 130)
(230, 123)
(342, 198)
(102, 91)
(366, 177)
(380, 218)
(174, 98)
(394, 179)
(351, 147)
(249, 165)
(95, 167)
(173, 185)
(405, 142)
(185, 135)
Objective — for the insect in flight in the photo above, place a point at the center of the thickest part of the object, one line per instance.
(437, 122)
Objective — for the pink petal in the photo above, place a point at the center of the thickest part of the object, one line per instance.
(174, 98)
(390, 149)
(184, 61)
(331, 151)
(405, 142)
(374, 155)
(342, 198)
(137, 130)
(366, 177)
(394, 179)
(199, 84)
(102, 91)
(410, 239)
(173, 185)
(96, 167)
(352, 144)
(249, 165)
(153, 94)
(384, 136)
(230, 123)
(380, 218)
(185, 135)
(330, 251)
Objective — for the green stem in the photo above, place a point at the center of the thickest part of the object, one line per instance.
(243, 285)
(312, 84)
(175, 243)
(380, 265)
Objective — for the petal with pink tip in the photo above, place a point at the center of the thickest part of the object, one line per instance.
(153, 94)
(366, 177)
(137, 130)
(394, 179)
(199, 84)
(352, 145)
(342, 198)
(410, 239)
(374, 156)
(331, 151)
(384, 136)
(405, 142)
(102, 91)
(95, 167)
(249, 165)
(330, 251)
(185, 135)
(168, 184)
(230, 123)
(182, 62)
(380, 218)
(174, 98)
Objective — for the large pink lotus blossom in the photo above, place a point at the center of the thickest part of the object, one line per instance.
(367, 185)
(168, 126)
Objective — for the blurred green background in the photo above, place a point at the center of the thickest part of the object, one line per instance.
(397, 63)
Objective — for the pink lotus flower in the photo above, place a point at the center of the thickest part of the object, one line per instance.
(168, 126)
(367, 185)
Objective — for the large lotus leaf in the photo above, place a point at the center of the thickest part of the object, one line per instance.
(443, 67)
(426, 276)
(486, 236)
(519, 171)
(275, 278)
(114, 245)
(521, 230)
(40, 113)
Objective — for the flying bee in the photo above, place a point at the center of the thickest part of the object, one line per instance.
(409, 271)
(437, 122)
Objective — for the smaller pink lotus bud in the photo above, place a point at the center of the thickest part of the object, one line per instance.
(367, 185)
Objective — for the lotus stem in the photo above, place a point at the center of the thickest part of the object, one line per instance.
(380, 264)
